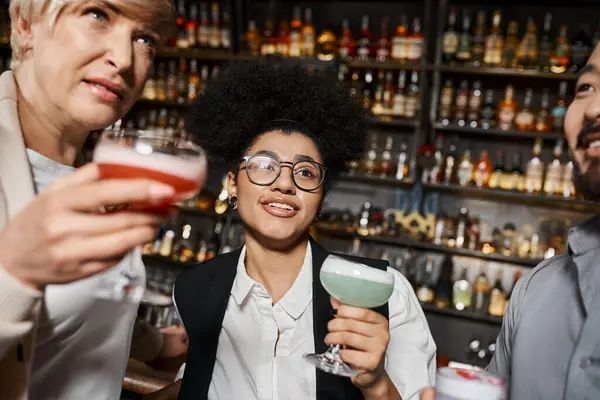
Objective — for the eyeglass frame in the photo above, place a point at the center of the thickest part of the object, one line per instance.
(279, 164)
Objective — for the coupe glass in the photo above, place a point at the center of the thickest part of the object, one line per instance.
(139, 154)
(356, 285)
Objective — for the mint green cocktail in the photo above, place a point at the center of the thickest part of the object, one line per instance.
(355, 285)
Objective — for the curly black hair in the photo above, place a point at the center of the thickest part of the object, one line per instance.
(247, 100)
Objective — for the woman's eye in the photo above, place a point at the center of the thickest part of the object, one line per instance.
(97, 14)
(147, 41)
(584, 87)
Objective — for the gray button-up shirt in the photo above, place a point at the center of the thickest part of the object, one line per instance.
(549, 345)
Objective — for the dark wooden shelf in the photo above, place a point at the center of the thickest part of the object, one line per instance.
(394, 122)
(390, 64)
(201, 54)
(497, 71)
(375, 180)
(496, 132)
(406, 242)
(165, 262)
(517, 197)
(465, 314)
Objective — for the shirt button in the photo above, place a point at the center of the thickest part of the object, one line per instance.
(278, 308)
(585, 362)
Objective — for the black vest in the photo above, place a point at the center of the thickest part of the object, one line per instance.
(202, 294)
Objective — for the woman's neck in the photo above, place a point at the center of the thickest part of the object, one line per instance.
(44, 129)
(276, 270)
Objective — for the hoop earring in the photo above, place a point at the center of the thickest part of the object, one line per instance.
(233, 200)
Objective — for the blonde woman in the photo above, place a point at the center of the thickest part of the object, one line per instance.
(77, 66)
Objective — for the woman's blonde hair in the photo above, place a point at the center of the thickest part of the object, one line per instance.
(161, 13)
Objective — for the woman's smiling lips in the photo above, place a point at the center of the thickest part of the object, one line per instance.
(280, 207)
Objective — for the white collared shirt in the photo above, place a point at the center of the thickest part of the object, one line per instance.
(252, 364)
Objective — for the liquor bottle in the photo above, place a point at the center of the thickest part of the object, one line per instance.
(181, 39)
(283, 39)
(443, 289)
(436, 170)
(171, 84)
(517, 178)
(425, 292)
(166, 245)
(482, 170)
(296, 33)
(497, 297)
(383, 44)
(182, 82)
(399, 108)
(494, 43)
(202, 249)
(450, 39)
(377, 107)
(268, 44)
(463, 52)
(527, 54)
(183, 250)
(412, 99)
(581, 48)
(478, 50)
(462, 292)
(308, 35)
(203, 28)
(507, 110)
(149, 92)
(365, 40)
(545, 45)
(253, 45)
(568, 186)
(561, 55)
(204, 77)
(326, 45)
(388, 93)
(370, 162)
(498, 172)
(450, 165)
(346, 45)
(445, 111)
(415, 42)
(402, 167)
(191, 27)
(400, 41)
(481, 289)
(226, 31)
(543, 122)
(461, 227)
(367, 89)
(465, 169)
(488, 112)
(511, 45)
(535, 169)
(461, 104)
(214, 36)
(162, 123)
(554, 172)
(525, 119)
(560, 109)
(193, 86)
(386, 166)
(475, 103)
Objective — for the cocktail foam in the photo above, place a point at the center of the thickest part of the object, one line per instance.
(341, 266)
(193, 169)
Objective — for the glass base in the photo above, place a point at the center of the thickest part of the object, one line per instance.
(331, 362)
(121, 289)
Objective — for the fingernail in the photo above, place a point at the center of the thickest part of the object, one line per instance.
(159, 191)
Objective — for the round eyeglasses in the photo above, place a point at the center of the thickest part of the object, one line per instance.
(263, 170)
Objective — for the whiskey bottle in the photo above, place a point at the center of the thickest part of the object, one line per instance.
(560, 109)
(481, 289)
(450, 165)
(346, 45)
(543, 123)
(461, 104)
(554, 172)
(308, 35)
(365, 40)
(412, 99)
(545, 45)
(383, 44)
(181, 39)
(377, 107)
(488, 113)
(497, 297)
(193, 81)
(517, 178)
(561, 56)
(171, 87)
(203, 35)
(507, 110)
(525, 119)
(499, 166)
(535, 170)
(527, 54)
(161, 82)
(494, 43)
(191, 27)
(283, 39)
(415, 42)
(402, 167)
(462, 292)
(568, 186)
(450, 39)
(268, 43)
(399, 108)
(465, 169)
(475, 102)
(296, 33)
(443, 289)
(400, 41)
(445, 111)
(182, 250)
(463, 53)
(370, 163)
(252, 38)
(386, 166)
(482, 170)
(478, 50)
(182, 82)
(214, 30)
(226, 31)
(150, 92)
(425, 292)
(388, 93)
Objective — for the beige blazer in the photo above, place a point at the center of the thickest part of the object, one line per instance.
(19, 305)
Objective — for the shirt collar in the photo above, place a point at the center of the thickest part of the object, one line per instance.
(294, 302)
(584, 249)
(585, 237)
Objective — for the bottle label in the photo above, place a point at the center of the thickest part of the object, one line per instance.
(399, 48)
(465, 173)
(225, 38)
(295, 44)
(399, 109)
(506, 117)
(450, 43)
(415, 49)
(308, 41)
(203, 35)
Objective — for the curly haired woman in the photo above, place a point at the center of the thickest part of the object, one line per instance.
(251, 315)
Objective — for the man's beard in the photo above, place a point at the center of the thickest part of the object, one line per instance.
(588, 183)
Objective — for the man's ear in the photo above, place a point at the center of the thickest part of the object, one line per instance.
(232, 189)
(24, 30)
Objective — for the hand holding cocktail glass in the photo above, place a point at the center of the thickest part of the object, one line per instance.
(364, 332)
(131, 154)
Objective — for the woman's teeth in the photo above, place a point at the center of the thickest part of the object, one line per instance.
(281, 205)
